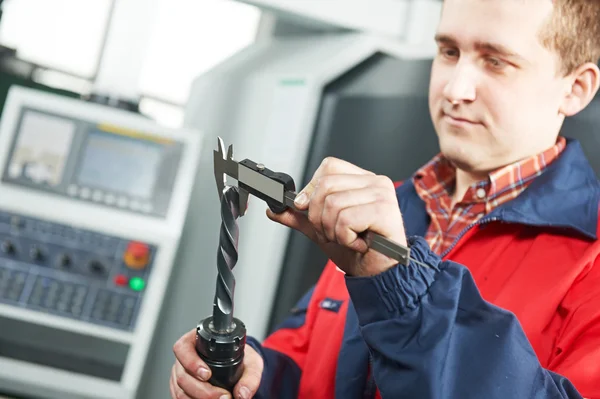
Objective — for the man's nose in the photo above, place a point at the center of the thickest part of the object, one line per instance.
(462, 85)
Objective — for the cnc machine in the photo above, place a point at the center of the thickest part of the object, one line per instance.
(92, 205)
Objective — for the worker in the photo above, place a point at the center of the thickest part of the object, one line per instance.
(501, 297)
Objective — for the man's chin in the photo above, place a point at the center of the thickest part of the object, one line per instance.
(461, 156)
(475, 163)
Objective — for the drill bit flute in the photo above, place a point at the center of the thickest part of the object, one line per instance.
(227, 257)
(221, 338)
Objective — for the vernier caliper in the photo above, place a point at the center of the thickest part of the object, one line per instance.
(278, 191)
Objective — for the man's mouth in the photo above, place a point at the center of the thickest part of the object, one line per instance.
(457, 119)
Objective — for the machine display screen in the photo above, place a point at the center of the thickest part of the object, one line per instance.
(42, 149)
(100, 162)
(120, 164)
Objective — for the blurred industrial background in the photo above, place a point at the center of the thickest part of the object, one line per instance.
(109, 215)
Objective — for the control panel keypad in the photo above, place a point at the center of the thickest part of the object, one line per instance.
(62, 297)
(114, 308)
(12, 283)
(74, 273)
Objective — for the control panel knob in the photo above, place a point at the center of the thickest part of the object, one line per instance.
(36, 253)
(96, 267)
(65, 261)
(136, 255)
(8, 247)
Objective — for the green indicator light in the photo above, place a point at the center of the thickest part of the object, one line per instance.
(137, 284)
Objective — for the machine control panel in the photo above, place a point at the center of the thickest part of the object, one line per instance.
(93, 201)
(99, 163)
(72, 272)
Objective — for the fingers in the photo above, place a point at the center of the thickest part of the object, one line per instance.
(184, 386)
(352, 221)
(253, 368)
(335, 203)
(185, 352)
(329, 166)
(176, 392)
(341, 202)
(295, 220)
(190, 374)
(335, 192)
(172, 384)
(321, 188)
(195, 389)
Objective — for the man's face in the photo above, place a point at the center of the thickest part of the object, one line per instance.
(495, 91)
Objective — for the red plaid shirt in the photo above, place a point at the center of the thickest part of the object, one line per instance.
(434, 183)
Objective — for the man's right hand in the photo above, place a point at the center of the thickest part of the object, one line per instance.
(190, 374)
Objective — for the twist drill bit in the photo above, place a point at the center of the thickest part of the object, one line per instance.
(221, 338)
(227, 257)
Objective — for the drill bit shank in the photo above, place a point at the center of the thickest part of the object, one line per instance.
(227, 256)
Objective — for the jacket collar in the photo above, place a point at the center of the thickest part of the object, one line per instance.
(566, 195)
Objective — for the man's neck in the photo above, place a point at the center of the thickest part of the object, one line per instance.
(463, 181)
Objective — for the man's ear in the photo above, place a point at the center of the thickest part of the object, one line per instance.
(582, 87)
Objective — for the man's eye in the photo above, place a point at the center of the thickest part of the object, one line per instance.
(449, 52)
(495, 62)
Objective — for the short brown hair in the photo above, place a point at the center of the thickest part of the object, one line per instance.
(573, 31)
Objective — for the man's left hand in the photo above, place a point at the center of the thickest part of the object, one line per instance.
(344, 201)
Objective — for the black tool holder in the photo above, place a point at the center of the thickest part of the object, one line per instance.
(221, 338)
(222, 352)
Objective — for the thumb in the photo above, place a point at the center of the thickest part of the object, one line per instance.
(294, 220)
(250, 381)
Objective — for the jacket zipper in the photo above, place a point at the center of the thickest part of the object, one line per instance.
(465, 230)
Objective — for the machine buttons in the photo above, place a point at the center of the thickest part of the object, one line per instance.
(121, 280)
(98, 195)
(72, 190)
(136, 255)
(64, 261)
(93, 277)
(8, 247)
(11, 284)
(96, 267)
(36, 253)
(55, 295)
(137, 284)
(135, 205)
(114, 308)
(110, 199)
(85, 192)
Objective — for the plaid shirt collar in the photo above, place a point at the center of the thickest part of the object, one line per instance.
(435, 181)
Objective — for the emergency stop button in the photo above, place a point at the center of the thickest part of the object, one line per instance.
(136, 255)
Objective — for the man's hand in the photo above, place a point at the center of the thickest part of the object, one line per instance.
(344, 201)
(189, 373)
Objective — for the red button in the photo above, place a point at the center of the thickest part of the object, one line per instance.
(138, 250)
(136, 255)
(121, 280)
